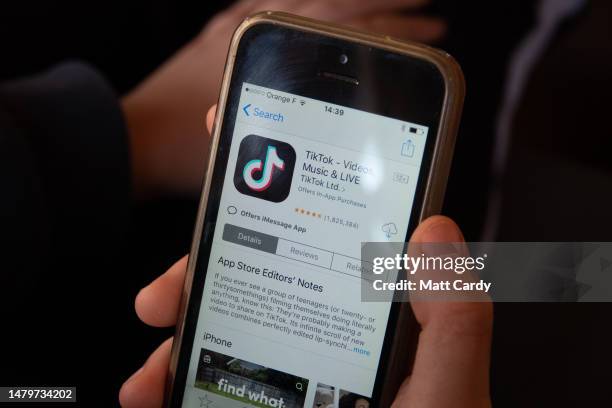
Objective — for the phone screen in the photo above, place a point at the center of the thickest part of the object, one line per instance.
(281, 322)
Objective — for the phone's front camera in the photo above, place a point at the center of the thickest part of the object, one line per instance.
(343, 59)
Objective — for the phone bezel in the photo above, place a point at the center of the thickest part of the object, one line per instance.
(432, 183)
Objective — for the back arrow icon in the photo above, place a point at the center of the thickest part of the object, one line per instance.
(246, 109)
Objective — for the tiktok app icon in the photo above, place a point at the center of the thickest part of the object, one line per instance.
(264, 168)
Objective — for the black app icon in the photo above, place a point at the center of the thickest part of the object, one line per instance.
(264, 168)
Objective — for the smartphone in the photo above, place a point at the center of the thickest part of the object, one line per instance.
(324, 138)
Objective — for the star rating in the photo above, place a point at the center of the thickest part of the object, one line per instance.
(307, 212)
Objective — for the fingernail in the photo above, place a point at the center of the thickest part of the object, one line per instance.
(443, 230)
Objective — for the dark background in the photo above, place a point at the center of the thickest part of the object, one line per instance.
(557, 187)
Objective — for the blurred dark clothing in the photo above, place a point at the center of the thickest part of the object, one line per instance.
(558, 180)
(75, 247)
(125, 40)
(558, 187)
(482, 37)
(64, 216)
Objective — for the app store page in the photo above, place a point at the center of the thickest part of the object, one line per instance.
(281, 322)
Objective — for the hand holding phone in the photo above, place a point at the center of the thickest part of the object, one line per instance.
(452, 365)
(319, 145)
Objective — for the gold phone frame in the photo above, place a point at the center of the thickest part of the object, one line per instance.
(436, 182)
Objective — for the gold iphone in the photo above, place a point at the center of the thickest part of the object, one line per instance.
(324, 138)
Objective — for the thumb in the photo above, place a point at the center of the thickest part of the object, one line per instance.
(437, 229)
(451, 367)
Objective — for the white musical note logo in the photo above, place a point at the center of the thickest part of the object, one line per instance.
(271, 162)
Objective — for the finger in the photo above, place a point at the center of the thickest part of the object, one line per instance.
(158, 303)
(276, 5)
(344, 10)
(145, 388)
(244, 7)
(238, 10)
(451, 368)
(210, 118)
(241, 9)
(327, 10)
(414, 28)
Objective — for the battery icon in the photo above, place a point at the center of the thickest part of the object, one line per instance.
(415, 130)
